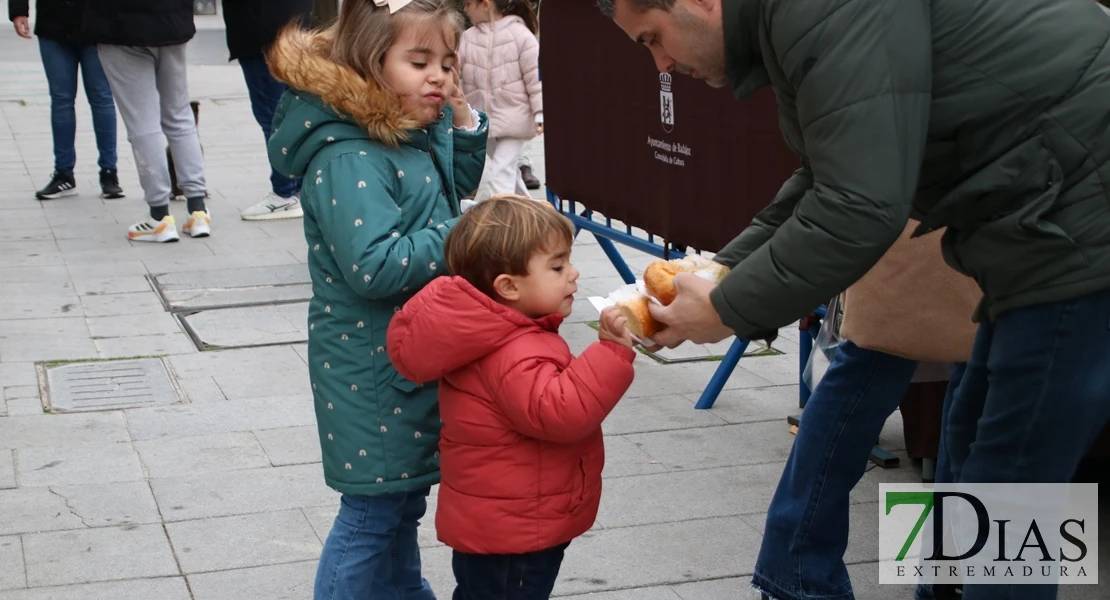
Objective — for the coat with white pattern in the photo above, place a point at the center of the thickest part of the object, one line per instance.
(376, 216)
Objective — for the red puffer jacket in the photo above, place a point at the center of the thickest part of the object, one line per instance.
(521, 450)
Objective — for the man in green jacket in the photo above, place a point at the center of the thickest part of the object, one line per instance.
(988, 117)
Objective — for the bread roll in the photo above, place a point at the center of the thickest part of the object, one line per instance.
(634, 306)
(659, 275)
(659, 280)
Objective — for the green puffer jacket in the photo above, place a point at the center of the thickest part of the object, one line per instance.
(376, 216)
(989, 117)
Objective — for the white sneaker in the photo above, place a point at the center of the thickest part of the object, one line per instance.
(149, 230)
(199, 224)
(274, 207)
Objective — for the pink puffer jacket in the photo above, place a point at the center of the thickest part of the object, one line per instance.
(501, 75)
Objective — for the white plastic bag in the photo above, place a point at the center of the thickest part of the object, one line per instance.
(824, 346)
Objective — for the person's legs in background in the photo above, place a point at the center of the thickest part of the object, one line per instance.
(372, 550)
(60, 61)
(802, 555)
(132, 75)
(1033, 401)
(282, 202)
(524, 163)
(502, 175)
(99, 94)
(180, 128)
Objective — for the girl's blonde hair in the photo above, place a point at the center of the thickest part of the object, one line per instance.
(364, 32)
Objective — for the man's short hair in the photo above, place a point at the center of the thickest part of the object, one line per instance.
(608, 7)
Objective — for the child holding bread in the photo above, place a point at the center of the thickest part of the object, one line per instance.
(521, 448)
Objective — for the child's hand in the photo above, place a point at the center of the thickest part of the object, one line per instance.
(611, 327)
(539, 129)
(457, 100)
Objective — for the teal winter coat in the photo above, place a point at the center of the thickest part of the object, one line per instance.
(379, 198)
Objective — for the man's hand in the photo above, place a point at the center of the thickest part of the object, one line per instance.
(691, 317)
(22, 27)
(611, 327)
(457, 100)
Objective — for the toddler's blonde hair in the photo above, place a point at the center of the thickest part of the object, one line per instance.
(500, 235)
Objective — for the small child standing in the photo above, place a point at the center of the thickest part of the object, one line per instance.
(500, 72)
(521, 446)
(375, 123)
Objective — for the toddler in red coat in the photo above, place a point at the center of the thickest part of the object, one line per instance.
(521, 451)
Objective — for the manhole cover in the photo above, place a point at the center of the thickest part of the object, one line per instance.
(109, 385)
(248, 326)
(223, 288)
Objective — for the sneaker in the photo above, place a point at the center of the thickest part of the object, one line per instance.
(59, 186)
(274, 207)
(199, 224)
(530, 180)
(149, 230)
(109, 184)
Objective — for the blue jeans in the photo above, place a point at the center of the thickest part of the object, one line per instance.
(372, 550)
(943, 470)
(265, 92)
(528, 576)
(61, 61)
(1033, 401)
(802, 556)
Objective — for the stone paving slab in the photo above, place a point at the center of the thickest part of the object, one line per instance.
(250, 326)
(59, 508)
(237, 372)
(683, 496)
(7, 470)
(93, 463)
(723, 446)
(292, 581)
(133, 303)
(105, 554)
(167, 588)
(109, 504)
(203, 454)
(244, 541)
(62, 430)
(12, 574)
(242, 492)
(290, 445)
(665, 553)
(220, 417)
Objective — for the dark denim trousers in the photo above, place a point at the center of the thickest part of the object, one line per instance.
(61, 61)
(265, 92)
(528, 576)
(802, 556)
(372, 550)
(1033, 401)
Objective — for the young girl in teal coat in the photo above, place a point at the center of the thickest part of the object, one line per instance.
(376, 125)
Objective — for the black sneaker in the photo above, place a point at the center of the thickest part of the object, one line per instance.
(530, 180)
(59, 186)
(109, 184)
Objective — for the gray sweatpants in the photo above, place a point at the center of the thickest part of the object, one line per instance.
(152, 93)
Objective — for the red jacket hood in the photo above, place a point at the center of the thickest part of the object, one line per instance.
(450, 324)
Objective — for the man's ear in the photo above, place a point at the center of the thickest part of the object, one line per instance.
(505, 287)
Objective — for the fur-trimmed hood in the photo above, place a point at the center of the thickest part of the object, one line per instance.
(299, 59)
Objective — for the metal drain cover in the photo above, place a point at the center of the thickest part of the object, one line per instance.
(109, 385)
(248, 326)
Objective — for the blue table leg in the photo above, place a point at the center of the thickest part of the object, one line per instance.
(721, 375)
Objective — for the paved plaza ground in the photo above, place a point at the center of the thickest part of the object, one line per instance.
(210, 486)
